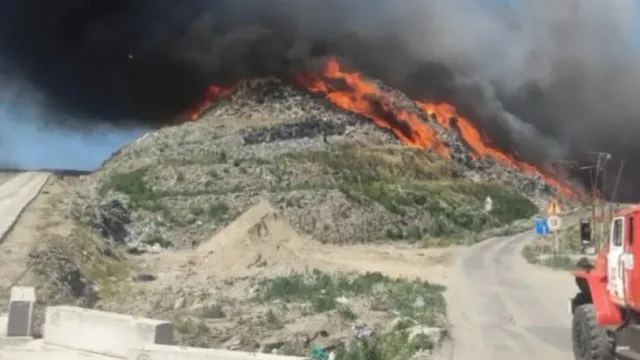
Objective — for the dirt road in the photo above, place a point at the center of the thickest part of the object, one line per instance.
(503, 308)
(17, 191)
(500, 306)
(16, 194)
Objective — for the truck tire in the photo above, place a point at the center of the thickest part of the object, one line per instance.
(590, 342)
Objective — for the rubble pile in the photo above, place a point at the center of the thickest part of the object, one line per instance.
(304, 129)
(193, 179)
(323, 123)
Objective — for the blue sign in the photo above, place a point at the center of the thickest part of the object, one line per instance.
(542, 226)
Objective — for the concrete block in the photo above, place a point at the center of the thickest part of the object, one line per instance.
(21, 307)
(102, 332)
(164, 352)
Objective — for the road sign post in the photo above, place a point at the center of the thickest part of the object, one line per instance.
(554, 223)
(542, 226)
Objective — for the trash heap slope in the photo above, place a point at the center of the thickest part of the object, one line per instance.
(333, 174)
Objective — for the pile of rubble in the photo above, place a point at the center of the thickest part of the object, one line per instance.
(235, 153)
(279, 114)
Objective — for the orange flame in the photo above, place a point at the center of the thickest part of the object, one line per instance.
(358, 94)
(365, 98)
(480, 145)
(214, 92)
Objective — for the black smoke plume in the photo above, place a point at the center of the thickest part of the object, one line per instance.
(545, 80)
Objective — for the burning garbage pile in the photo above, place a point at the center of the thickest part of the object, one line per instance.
(418, 124)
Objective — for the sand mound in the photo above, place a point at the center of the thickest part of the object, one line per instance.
(260, 238)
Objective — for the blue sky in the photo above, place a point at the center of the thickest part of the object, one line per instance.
(29, 145)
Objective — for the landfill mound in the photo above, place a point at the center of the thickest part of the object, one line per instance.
(260, 238)
(333, 174)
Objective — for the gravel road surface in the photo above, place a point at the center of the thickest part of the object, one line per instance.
(504, 308)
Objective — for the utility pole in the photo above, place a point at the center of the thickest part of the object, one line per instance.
(601, 167)
(560, 168)
(604, 229)
(593, 200)
(614, 194)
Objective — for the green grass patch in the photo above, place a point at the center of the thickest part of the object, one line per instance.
(321, 289)
(397, 345)
(435, 204)
(456, 207)
(559, 252)
(132, 184)
(144, 196)
(411, 183)
(420, 302)
(218, 210)
(379, 164)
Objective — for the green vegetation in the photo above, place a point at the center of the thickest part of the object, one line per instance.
(132, 184)
(419, 303)
(321, 289)
(428, 200)
(383, 164)
(411, 183)
(144, 196)
(398, 345)
(561, 255)
(218, 210)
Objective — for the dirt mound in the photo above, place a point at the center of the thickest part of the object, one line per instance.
(258, 239)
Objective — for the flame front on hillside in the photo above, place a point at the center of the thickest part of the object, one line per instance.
(213, 93)
(358, 94)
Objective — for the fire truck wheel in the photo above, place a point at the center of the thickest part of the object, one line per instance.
(590, 342)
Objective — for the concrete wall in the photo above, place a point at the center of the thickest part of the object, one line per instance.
(164, 352)
(101, 332)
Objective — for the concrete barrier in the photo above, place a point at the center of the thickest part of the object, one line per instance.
(164, 352)
(102, 332)
(21, 307)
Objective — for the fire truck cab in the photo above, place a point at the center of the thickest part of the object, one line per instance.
(606, 309)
